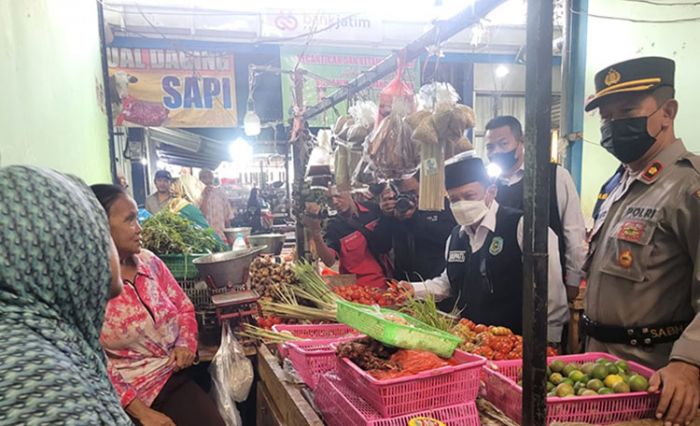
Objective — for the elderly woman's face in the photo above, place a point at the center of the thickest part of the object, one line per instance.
(124, 226)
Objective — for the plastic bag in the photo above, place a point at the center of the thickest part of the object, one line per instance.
(320, 159)
(232, 376)
(397, 97)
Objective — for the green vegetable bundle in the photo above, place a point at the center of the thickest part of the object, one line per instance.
(169, 233)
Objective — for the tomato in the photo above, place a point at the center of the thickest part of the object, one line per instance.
(481, 328)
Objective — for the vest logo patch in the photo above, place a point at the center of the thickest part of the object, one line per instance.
(432, 218)
(632, 231)
(457, 256)
(496, 246)
(625, 259)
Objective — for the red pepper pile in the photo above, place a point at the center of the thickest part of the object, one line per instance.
(496, 343)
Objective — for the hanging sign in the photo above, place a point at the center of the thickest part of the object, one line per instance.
(172, 88)
(336, 68)
(286, 24)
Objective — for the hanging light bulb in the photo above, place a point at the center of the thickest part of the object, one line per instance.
(251, 121)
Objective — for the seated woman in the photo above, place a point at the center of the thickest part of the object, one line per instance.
(150, 331)
(58, 267)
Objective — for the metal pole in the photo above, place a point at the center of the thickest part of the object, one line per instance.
(538, 98)
(298, 140)
(574, 71)
(107, 93)
(441, 31)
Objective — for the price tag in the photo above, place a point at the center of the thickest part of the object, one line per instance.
(430, 166)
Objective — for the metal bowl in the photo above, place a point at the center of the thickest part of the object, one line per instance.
(232, 233)
(226, 269)
(273, 242)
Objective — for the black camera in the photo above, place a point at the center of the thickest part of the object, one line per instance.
(405, 201)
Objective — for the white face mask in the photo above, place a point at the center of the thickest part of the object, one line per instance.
(468, 212)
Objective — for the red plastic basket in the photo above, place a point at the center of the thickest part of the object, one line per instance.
(503, 391)
(340, 406)
(451, 385)
(313, 331)
(312, 358)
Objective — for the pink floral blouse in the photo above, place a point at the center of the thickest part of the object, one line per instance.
(142, 326)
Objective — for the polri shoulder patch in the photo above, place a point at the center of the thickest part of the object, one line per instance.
(652, 171)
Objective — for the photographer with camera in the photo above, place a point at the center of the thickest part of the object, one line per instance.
(417, 237)
(349, 237)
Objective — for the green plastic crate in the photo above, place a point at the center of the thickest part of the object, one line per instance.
(181, 266)
(420, 336)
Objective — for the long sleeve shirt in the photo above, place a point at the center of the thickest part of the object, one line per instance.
(151, 317)
(558, 311)
(216, 208)
(573, 223)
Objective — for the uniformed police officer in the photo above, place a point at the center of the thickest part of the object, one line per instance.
(484, 273)
(643, 269)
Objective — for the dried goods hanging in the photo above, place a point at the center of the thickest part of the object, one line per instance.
(439, 128)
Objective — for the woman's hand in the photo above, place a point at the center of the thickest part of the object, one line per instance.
(148, 416)
(182, 357)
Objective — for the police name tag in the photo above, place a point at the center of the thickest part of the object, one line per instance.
(457, 256)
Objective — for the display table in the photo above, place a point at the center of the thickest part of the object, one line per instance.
(278, 402)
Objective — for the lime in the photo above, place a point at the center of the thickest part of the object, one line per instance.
(587, 368)
(548, 372)
(580, 391)
(576, 375)
(564, 390)
(622, 365)
(612, 380)
(589, 392)
(602, 361)
(638, 383)
(557, 365)
(577, 386)
(600, 372)
(612, 369)
(595, 385)
(550, 386)
(556, 378)
(585, 379)
(568, 369)
(552, 393)
(605, 391)
(568, 382)
(621, 387)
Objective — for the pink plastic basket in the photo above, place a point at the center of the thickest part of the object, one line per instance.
(312, 358)
(503, 391)
(313, 331)
(340, 406)
(451, 385)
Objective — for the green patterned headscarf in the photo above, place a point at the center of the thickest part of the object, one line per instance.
(54, 285)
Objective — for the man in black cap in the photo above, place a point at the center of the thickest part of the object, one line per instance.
(160, 199)
(643, 269)
(484, 274)
(505, 144)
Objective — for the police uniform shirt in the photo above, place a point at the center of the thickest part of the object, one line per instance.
(644, 267)
(573, 224)
(558, 311)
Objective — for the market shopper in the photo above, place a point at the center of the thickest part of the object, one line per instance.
(349, 239)
(163, 195)
(484, 273)
(416, 237)
(214, 204)
(505, 145)
(643, 271)
(58, 267)
(150, 331)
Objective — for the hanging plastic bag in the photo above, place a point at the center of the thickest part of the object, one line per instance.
(232, 376)
(397, 96)
(320, 159)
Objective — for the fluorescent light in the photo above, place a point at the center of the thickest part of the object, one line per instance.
(144, 161)
(502, 71)
(161, 165)
(494, 170)
(241, 152)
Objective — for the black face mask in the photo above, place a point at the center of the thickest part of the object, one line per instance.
(627, 138)
(505, 160)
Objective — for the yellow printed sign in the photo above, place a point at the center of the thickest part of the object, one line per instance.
(172, 88)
